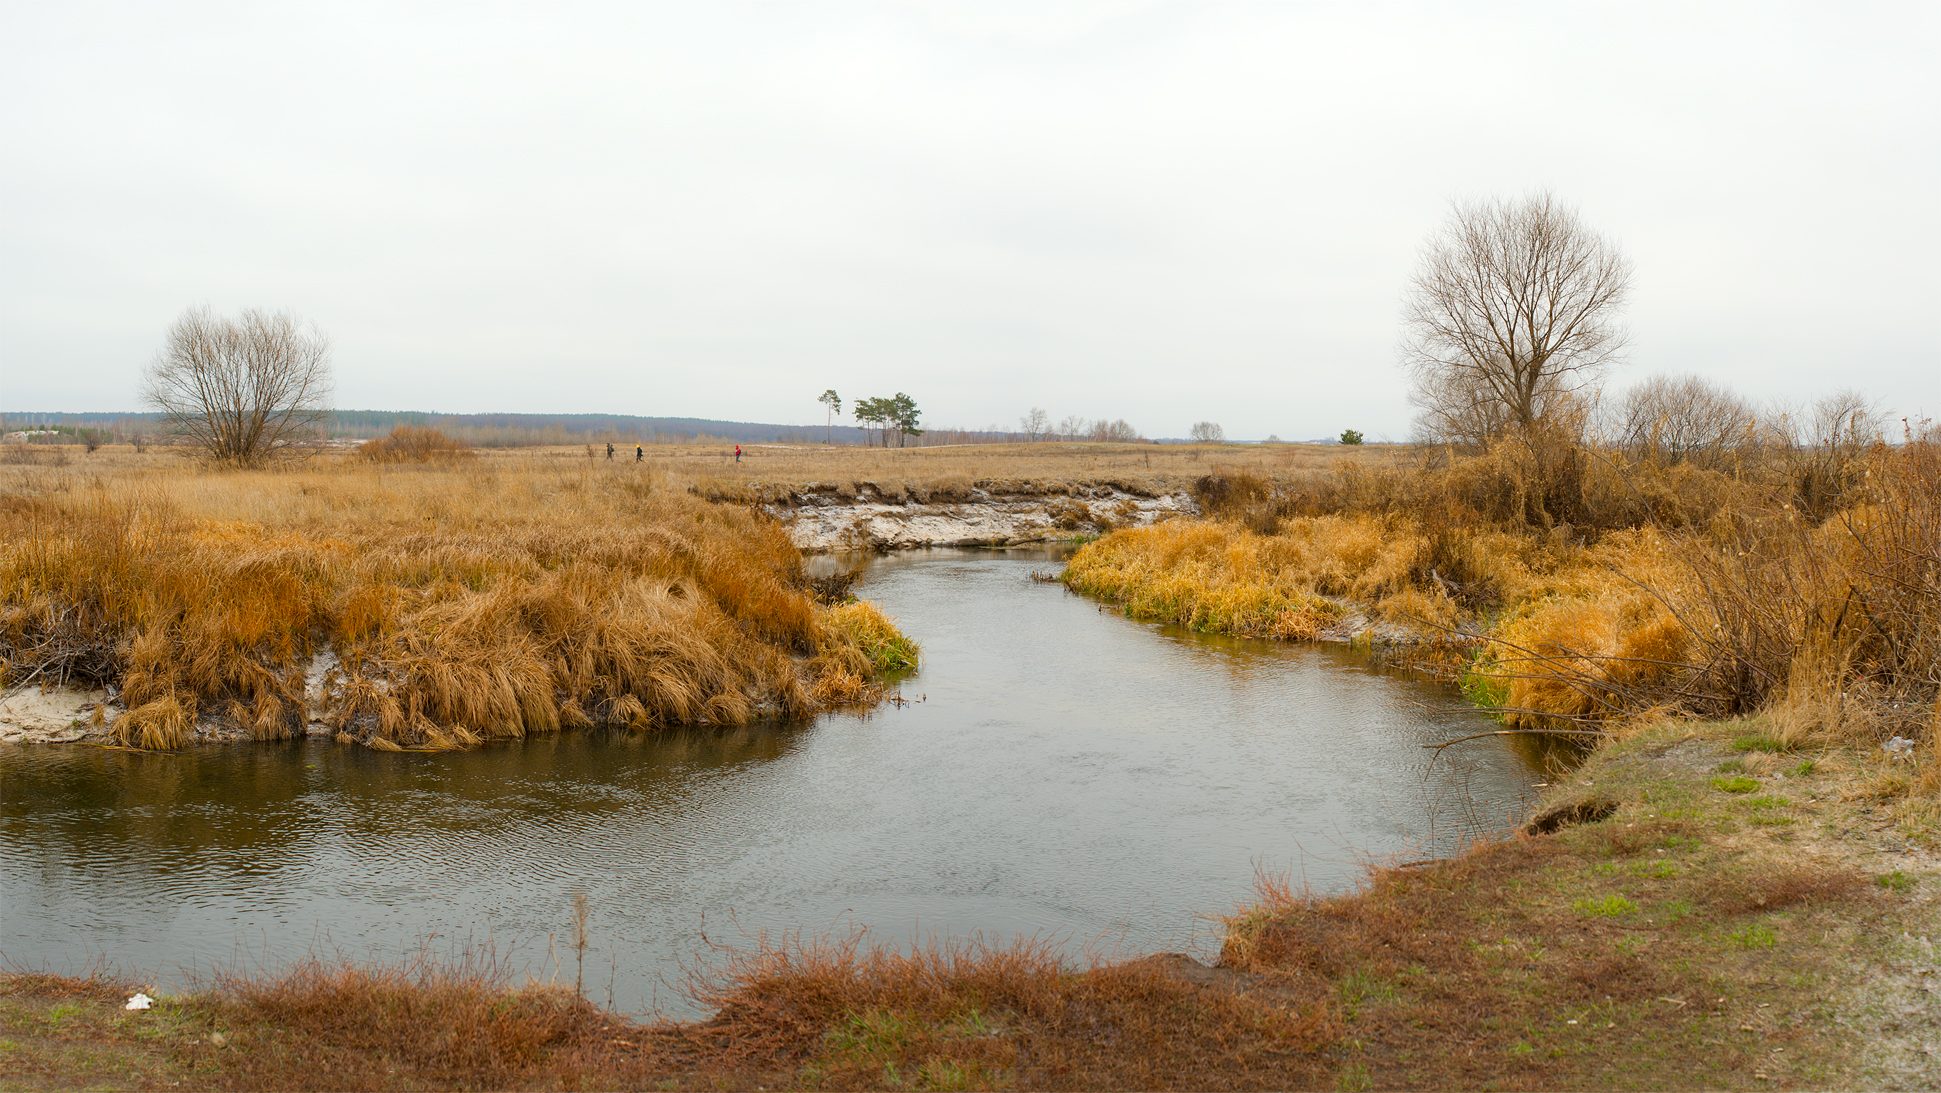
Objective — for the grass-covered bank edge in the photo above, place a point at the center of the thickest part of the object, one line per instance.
(423, 606)
(1696, 906)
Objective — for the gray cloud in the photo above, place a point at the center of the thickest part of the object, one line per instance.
(1164, 212)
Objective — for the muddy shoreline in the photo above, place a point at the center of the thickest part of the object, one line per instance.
(823, 518)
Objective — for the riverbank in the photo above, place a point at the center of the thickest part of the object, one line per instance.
(1696, 906)
(432, 605)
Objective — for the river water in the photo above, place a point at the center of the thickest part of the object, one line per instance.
(1056, 770)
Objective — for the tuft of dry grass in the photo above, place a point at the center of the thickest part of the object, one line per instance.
(444, 1023)
(873, 632)
(977, 1014)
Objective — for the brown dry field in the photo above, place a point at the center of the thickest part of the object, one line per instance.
(1172, 466)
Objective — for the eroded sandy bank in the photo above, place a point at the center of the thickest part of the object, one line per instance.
(822, 518)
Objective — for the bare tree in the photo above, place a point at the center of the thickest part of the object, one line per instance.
(1037, 424)
(1208, 432)
(1072, 427)
(1515, 306)
(1119, 430)
(240, 388)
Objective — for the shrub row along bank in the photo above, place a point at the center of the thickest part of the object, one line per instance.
(459, 604)
(1835, 619)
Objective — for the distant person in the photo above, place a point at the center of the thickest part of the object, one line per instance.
(609, 451)
(737, 453)
(640, 453)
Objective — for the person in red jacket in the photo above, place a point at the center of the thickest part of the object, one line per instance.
(737, 453)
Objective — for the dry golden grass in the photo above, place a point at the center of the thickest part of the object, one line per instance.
(463, 602)
(1205, 576)
(1075, 461)
(771, 472)
(1830, 624)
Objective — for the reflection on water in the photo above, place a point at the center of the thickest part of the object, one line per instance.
(1061, 770)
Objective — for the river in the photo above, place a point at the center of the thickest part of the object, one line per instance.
(1054, 769)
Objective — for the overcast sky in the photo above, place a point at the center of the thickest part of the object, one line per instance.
(1157, 211)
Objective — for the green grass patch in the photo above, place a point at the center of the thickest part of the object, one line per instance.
(1755, 936)
(1672, 910)
(871, 1033)
(1608, 907)
(1736, 784)
(1895, 881)
(1757, 741)
(1482, 689)
(1357, 988)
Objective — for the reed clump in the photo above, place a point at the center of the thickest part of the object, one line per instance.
(431, 606)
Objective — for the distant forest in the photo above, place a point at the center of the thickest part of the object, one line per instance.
(489, 430)
(527, 430)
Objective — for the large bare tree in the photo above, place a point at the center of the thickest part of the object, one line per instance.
(239, 388)
(1515, 306)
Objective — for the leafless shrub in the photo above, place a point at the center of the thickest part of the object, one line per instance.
(1820, 450)
(415, 444)
(1680, 419)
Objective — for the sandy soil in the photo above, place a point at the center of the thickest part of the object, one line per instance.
(824, 520)
(54, 715)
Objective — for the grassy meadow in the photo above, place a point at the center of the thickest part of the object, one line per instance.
(462, 598)
(769, 473)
